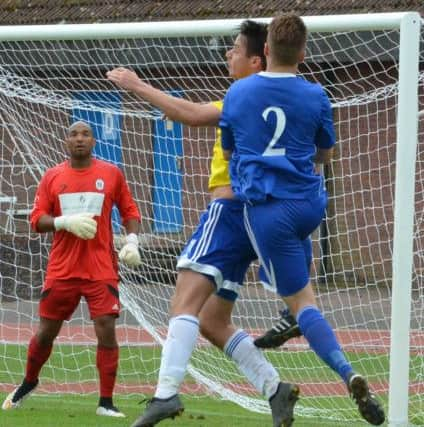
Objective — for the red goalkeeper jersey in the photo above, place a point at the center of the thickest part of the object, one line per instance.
(66, 191)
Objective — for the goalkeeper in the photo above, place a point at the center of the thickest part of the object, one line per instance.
(74, 200)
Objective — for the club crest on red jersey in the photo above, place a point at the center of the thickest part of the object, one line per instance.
(100, 184)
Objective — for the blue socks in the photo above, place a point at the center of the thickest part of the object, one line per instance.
(323, 341)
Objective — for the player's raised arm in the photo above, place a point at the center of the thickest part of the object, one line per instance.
(177, 109)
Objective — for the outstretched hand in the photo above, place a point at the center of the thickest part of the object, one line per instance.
(124, 78)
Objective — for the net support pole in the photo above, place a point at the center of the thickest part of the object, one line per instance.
(406, 147)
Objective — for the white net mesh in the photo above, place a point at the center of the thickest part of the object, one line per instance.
(43, 85)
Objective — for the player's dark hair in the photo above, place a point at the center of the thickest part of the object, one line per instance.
(255, 34)
(287, 38)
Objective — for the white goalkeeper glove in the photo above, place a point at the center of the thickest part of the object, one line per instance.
(82, 225)
(129, 254)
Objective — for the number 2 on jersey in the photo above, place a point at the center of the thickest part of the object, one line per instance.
(279, 129)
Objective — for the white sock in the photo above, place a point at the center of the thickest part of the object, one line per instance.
(252, 363)
(182, 335)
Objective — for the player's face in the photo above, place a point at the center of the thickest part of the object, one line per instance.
(239, 64)
(80, 142)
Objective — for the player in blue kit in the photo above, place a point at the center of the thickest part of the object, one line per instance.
(212, 266)
(275, 125)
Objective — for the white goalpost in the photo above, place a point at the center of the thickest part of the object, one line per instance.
(368, 265)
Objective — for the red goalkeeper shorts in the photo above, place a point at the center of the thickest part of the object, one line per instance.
(60, 298)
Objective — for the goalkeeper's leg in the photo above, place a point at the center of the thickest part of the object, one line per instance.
(107, 356)
(39, 350)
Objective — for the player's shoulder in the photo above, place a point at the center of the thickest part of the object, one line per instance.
(245, 81)
(55, 170)
(107, 170)
(314, 87)
(312, 90)
(106, 166)
(242, 86)
(50, 174)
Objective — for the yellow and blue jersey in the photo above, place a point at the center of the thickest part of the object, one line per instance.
(220, 174)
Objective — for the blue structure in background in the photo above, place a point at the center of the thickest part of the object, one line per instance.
(168, 180)
(106, 129)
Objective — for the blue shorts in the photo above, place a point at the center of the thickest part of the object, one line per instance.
(279, 231)
(220, 247)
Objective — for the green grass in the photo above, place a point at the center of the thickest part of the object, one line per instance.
(72, 411)
(78, 363)
(139, 365)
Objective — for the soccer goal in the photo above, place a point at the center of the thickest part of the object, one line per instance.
(368, 264)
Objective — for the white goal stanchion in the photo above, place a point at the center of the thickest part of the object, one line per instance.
(368, 254)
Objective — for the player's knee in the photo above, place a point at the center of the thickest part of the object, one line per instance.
(105, 331)
(304, 298)
(206, 328)
(107, 338)
(211, 327)
(207, 324)
(47, 331)
(45, 338)
(190, 302)
(174, 304)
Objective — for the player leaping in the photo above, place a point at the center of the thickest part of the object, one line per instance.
(241, 64)
(275, 124)
(215, 258)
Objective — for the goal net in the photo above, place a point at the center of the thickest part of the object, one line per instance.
(51, 80)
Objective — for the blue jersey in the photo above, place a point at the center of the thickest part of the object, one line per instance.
(273, 123)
